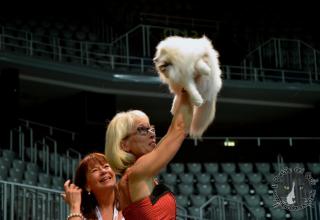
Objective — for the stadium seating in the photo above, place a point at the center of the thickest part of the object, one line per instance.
(246, 167)
(211, 168)
(228, 167)
(194, 168)
(186, 178)
(177, 168)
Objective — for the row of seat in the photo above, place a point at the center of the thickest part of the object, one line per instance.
(58, 164)
(30, 174)
(190, 178)
(49, 171)
(225, 189)
(58, 29)
(241, 167)
(256, 213)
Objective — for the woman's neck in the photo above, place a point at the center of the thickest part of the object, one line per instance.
(106, 204)
(106, 199)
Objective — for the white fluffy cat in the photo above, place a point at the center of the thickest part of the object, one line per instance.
(191, 64)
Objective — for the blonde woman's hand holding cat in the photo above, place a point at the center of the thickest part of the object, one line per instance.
(181, 119)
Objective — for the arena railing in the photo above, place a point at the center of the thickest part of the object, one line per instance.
(118, 56)
(221, 208)
(39, 143)
(20, 201)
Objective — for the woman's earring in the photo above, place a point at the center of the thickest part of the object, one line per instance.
(89, 193)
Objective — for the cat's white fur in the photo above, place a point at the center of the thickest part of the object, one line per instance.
(191, 64)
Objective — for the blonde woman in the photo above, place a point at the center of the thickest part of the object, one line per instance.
(132, 151)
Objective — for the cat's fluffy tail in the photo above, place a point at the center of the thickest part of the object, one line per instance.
(202, 118)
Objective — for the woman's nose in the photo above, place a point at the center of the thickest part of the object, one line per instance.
(103, 169)
(152, 134)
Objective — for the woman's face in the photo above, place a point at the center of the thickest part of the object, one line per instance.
(142, 139)
(100, 177)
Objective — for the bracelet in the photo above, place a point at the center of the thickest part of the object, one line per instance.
(76, 214)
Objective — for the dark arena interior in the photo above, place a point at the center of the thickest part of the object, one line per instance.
(63, 76)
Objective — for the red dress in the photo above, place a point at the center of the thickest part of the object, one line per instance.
(160, 205)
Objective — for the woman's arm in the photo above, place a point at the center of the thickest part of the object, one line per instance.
(150, 164)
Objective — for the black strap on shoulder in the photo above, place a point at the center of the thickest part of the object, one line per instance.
(158, 191)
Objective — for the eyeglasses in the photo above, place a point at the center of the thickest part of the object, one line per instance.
(143, 131)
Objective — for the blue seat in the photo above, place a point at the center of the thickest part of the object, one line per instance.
(44, 180)
(6, 162)
(203, 178)
(185, 189)
(263, 167)
(242, 188)
(15, 175)
(245, 167)
(186, 178)
(220, 177)
(259, 212)
(252, 200)
(57, 182)
(268, 200)
(194, 211)
(177, 167)
(30, 177)
(261, 188)
(235, 198)
(19, 164)
(269, 177)
(228, 167)
(277, 213)
(223, 189)
(314, 168)
(9, 154)
(237, 177)
(194, 168)
(33, 167)
(211, 168)
(204, 189)
(182, 200)
(197, 200)
(169, 178)
(3, 172)
(254, 177)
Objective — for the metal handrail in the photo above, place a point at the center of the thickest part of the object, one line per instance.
(80, 53)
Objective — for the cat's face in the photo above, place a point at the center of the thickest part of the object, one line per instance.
(165, 62)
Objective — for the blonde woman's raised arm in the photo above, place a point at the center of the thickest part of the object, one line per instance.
(150, 164)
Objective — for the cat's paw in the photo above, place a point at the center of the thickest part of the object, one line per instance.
(203, 68)
(197, 101)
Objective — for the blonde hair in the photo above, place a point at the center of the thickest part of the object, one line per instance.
(118, 129)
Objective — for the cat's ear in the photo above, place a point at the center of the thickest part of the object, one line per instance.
(161, 52)
(164, 51)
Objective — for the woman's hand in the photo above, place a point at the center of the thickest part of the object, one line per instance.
(72, 196)
(183, 114)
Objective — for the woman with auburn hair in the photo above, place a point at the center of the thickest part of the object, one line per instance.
(92, 195)
(132, 152)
